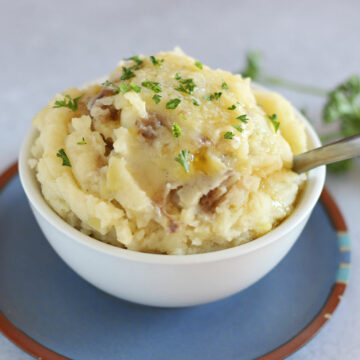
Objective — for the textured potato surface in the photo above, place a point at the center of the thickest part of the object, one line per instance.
(169, 156)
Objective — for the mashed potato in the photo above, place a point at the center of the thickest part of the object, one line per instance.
(169, 156)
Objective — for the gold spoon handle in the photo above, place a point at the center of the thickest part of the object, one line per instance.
(339, 150)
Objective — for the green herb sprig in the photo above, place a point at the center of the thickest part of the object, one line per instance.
(173, 103)
(228, 135)
(62, 155)
(342, 104)
(82, 142)
(243, 118)
(156, 98)
(176, 130)
(186, 86)
(127, 73)
(275, 123)
(68, 102)
(156, 62)
(237, 127)
(152, 85)
(214, 96)
(138, 62)
(183, 159)
(199, 65)
(224, 86)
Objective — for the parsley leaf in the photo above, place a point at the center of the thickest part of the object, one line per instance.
(232, 107)
(176, 130)
(341, 166)
(199, 65)
(111, 84)
(134, 87)
(195, 103)
(238, 128)
(253, 71)
(173, 103)
(127, 73)
(156, 62)
(156, 98)
(68, 102)
(138, 62)
(124, 88)
(252, 68)
(228, 135)
(186, 85)
(82, 142)
(243, 118)
(343, 104)
(211, 97)
(276, 124)
(152, 85)
(224, 86)
(65, 160)
(183, 159)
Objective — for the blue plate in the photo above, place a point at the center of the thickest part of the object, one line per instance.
(48, 310)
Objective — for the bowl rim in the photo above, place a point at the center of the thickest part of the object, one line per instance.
(307, 201)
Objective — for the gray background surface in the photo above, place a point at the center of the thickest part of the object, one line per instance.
(48, 46)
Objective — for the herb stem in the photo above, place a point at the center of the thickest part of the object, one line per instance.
(331, 137)
(295, 86)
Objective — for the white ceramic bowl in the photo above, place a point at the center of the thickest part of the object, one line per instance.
(170, 280)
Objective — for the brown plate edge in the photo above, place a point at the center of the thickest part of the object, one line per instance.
(39, 351)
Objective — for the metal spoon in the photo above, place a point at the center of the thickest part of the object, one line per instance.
(339, 150)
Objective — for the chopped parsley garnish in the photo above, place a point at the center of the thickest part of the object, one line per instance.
(109, 83)
(68, 102)
(342, 103)
(195, 103)
(127, 73)
(134, 87)
(232, 107)
(124, 88)
(156, 98)
(176, 130)
(238, 128)
(224, 86)
(173, 103)
(252, 69)
(156, 62)
(138, 62)
(152, 85)
(228, 135)
(183, 159)
(276, 124)
(186, 86)
(82, 142)
(211, 97)
(243, 118)
(65, 160)
(199, 65)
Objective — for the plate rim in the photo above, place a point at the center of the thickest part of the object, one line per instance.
(39, 351)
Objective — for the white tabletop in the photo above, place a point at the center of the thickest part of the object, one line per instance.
(48, 46)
